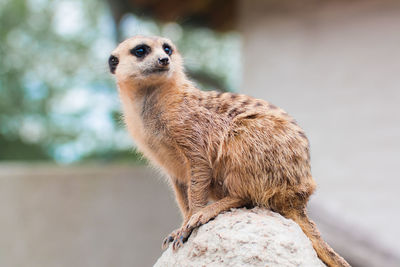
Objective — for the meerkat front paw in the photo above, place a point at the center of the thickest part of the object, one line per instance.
(196, 220)
(180, 236)
(177, 238)
(168, 239)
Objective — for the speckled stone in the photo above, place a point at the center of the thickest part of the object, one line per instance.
(242, 237)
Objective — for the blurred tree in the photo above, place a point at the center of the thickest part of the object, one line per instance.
(48, 62)
(57, 99)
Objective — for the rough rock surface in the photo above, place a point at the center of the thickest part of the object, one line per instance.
(242, 237)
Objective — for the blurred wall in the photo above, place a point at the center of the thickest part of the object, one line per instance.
(335, 67)
(91, 216)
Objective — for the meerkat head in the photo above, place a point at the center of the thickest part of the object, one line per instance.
(145, 60)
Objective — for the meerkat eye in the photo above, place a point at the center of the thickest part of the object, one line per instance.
(113, 63)
(167, 49)
(140, 50)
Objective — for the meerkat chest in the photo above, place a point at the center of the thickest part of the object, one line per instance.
(148, 134)
(164, 156)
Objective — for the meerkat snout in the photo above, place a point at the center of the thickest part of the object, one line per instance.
(163, 61)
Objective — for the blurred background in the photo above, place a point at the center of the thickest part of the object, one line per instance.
(75, 192)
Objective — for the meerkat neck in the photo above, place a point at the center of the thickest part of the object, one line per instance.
(139, 97)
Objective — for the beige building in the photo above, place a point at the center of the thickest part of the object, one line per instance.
(335, 66)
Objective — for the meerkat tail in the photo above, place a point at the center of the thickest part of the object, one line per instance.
(324, 251)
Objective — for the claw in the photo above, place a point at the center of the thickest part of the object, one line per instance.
(180, 236)
(166, 241)
(177, 243)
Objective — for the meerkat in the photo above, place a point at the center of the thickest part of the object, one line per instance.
(219, 150)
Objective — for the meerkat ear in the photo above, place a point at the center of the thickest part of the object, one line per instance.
(113, 63)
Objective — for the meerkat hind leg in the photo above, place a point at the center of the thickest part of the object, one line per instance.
(203, 216)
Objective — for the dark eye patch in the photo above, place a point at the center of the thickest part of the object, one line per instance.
(113, 63)
(141, 50)
(167, 49)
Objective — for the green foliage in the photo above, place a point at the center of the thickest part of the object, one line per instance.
(57, 98)
(43, 62)
(11, 150)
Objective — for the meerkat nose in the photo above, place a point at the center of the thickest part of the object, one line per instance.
(163, 61)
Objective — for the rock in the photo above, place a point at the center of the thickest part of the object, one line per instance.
(242, 237)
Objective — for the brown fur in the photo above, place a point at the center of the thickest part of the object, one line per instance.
(228, 149)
